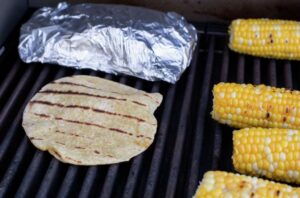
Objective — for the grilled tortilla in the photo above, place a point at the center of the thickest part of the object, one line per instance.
(87, 120)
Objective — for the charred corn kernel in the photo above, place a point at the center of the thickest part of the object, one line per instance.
(223, 184)
(266, 38)
(256, 106)
(276, 159)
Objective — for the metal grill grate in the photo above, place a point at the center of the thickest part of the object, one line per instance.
(187, 144)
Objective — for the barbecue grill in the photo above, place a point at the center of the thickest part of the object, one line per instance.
(188, 142)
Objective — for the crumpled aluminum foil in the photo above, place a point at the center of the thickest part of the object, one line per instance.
(112, 38)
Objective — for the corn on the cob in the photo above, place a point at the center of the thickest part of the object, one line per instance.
(222, 184)
(241, 105)
(266, 38)
(273, 153)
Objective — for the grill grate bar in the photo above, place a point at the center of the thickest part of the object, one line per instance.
(14, 97)
(216, 146)
(48, 179)
(160, 142)
(241, 69)
(184, 117)
(88, 182)
(218, 133)
(256, 71)
(30, 175)
(109, 181)
(13, 168)
(202, 108)
(225, 65)
(137, 161)
(133, 173)
(272, 73)
(9, 79)
(288, 79)
(66, 186)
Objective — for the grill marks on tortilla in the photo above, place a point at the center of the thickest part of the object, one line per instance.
(136, 102)
(92, 124)
(94, 88)
(124, 132)
(73, 134)
(69, 92)
(68, 120)
(35, 138)
(50, 91)
(87, 108)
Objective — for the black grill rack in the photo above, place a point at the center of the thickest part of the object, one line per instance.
(188, 142)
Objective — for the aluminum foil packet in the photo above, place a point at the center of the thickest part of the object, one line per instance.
(116, 39)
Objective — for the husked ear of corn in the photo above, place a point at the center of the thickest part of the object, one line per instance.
(266, 38)
(273, 153)
(241, 105)
(222, 184)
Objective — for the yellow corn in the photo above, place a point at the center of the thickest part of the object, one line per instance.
(222, 184)
(272, 153)
(241, 105)
(266, 38)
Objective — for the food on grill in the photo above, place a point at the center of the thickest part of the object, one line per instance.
(224, 184)
(266, 38)
(87, 120)
(116, 39)
(273, 153)
(241, 105)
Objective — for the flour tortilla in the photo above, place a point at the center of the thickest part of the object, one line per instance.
(88, 120)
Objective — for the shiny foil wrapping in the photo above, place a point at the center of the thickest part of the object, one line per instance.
(116, 39)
